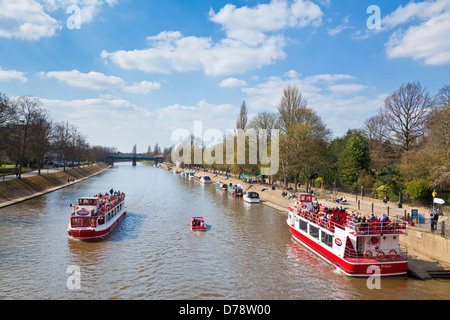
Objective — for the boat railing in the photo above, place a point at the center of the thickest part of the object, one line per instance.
(394, 226)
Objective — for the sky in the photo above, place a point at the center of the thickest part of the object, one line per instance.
(128, 72)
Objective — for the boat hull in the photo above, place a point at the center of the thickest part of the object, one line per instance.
(352, 267)
(93, 233)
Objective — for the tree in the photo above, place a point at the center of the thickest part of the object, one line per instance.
(62, 141)
(382, 151)
(264, 121)
(29, 109)
(442, 98)
(304, 137)
(156, 149)
(241, 121)
(405, 112)
(354, 158)
(8, 119)
(41, 137)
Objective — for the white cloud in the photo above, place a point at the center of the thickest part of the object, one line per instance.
(119, 120)
(92, 80)
(346, 88)
(270, 17)
(142, 87)
(98, 81)
(176, 116)
(25, 19)
(429, 41)
(325, 93)
(7, 75)
(247, 45)
(426, 38)
(33, 20)
(415, 10)
(232, 82)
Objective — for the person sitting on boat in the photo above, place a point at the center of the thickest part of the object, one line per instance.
(383, 220)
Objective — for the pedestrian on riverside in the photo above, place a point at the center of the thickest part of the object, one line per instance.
(434, 217)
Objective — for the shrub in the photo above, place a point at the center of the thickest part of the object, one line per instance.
(419, 190)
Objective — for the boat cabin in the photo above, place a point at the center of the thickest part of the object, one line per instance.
(252, 195)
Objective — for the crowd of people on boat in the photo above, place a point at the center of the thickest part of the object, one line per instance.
(110, 200)
(338, 216)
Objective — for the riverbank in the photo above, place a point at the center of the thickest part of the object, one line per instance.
(19, 190)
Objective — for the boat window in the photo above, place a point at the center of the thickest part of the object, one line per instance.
(327, 239)
(305, 198)
(314, 231)
(303, 225)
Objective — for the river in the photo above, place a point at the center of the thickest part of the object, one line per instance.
(246, 253)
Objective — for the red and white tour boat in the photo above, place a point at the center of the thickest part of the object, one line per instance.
(94, 217)
(358, 249)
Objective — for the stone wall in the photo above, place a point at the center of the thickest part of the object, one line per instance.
(431, 245)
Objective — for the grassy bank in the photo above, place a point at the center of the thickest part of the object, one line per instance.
(17, 190)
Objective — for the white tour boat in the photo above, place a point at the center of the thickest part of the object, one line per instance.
(94, 217)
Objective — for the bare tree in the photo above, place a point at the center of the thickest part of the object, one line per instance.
(40, 141)
(8, 118)
(29, 110)
(241, 121)
(62, 141)
(291, 108)
(442, 98)
(405, 112)
(304, 136)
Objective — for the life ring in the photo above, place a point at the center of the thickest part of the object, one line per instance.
(329, 225)
(304, 214)
(380, 255)
(393, 254)
(368, 254)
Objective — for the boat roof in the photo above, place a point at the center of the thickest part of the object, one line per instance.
(88, 198)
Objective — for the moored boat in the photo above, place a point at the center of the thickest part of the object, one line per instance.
(235, 190)
(251, 197)
(203, 179)
(95, 217)
(198, 224)
(222, 186)
(357, 247)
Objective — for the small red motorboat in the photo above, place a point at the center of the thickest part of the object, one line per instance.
(198, 224)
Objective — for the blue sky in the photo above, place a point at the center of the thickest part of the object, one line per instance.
(134, 71)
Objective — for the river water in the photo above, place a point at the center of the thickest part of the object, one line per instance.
(246, 253)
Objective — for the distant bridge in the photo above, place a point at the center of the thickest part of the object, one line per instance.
(123, 157)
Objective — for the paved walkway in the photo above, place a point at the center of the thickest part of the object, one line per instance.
(35, 173)
(38, 194)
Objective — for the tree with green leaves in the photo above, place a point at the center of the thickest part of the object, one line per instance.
(354, 158)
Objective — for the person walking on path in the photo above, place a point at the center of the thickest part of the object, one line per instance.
(434, 217)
